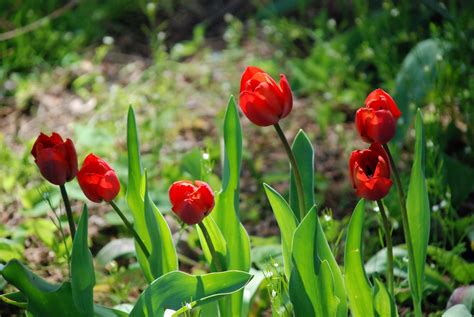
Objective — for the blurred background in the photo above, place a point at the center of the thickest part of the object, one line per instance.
(75, 67)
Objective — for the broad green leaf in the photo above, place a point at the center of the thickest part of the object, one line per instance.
(418, 208)
(164, 258)
(358, 287)
(82, 268)
(304, 155)
(416, 79)
(383, 302)
(114, 249)
(217, 239)
(177, 289)
(311, 283)
(286, 221)
(457, 311)
(226, 212)
(43, 298)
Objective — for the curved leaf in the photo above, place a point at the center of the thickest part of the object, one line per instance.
(304, 155)
(287, 223)
(383, 302)
(163, 259)
(418, 208)
(358, 287)
(114, 249)
(43, 298)
(177, 289)
(311, 283)
(217, 239)
(226, 212)
(82, 268)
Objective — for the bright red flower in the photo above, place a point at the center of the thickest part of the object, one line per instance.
(191, 202)
(370, 172)
(262, 100)
(98, 180)
(377, 121)
(56, 159)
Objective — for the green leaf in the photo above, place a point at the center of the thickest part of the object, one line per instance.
(383, 302)
(311, 283)
(304, 155)
(43, 298)
(226, 212)
(457, 311)
(416, 79)
(418, 208)
(159, 239)
(359, 290)
(287, 223)
(177, 289)
(82, 268)
(251, 289)
(217, 239)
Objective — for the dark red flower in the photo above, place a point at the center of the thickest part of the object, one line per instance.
(191, 202)
(262, 100)
(370, 172)
(56, 159)
(98, 180)
(377, 121)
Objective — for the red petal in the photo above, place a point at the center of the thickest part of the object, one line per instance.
(109, 186)
(255, 109)
(249, 72)
(71, 158)
(374, 189)
(381, 126)
(179, 191)
(362, 116)
(188, 213)
(89, 183)
(52, 165)
(287, 96)
(379, 99)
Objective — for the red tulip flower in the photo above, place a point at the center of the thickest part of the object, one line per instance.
(191, 202)
(98, 180)
(262, 100)
(56, 159)
(377, 121)
(370, 172)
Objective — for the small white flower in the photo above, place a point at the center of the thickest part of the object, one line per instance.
(205, 156)
(274, 294)
(108, 40)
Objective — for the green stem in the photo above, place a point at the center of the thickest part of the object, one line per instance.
(388, 241)
(406, 229)
(67, 206)
(296, 170)
(215, 257)
(130, 227)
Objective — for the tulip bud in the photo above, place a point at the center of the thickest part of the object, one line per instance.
(377, 121)
(56, 159)
(262, 100)
(191, 202)
(370, 172)
(98, 180)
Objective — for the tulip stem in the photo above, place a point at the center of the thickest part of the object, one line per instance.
(296, 170)
(388, 241)
(215, 256)
(67, 206)
(406, 228)
(130, 227)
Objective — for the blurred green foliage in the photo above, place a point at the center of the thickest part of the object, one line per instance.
(178, 62)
